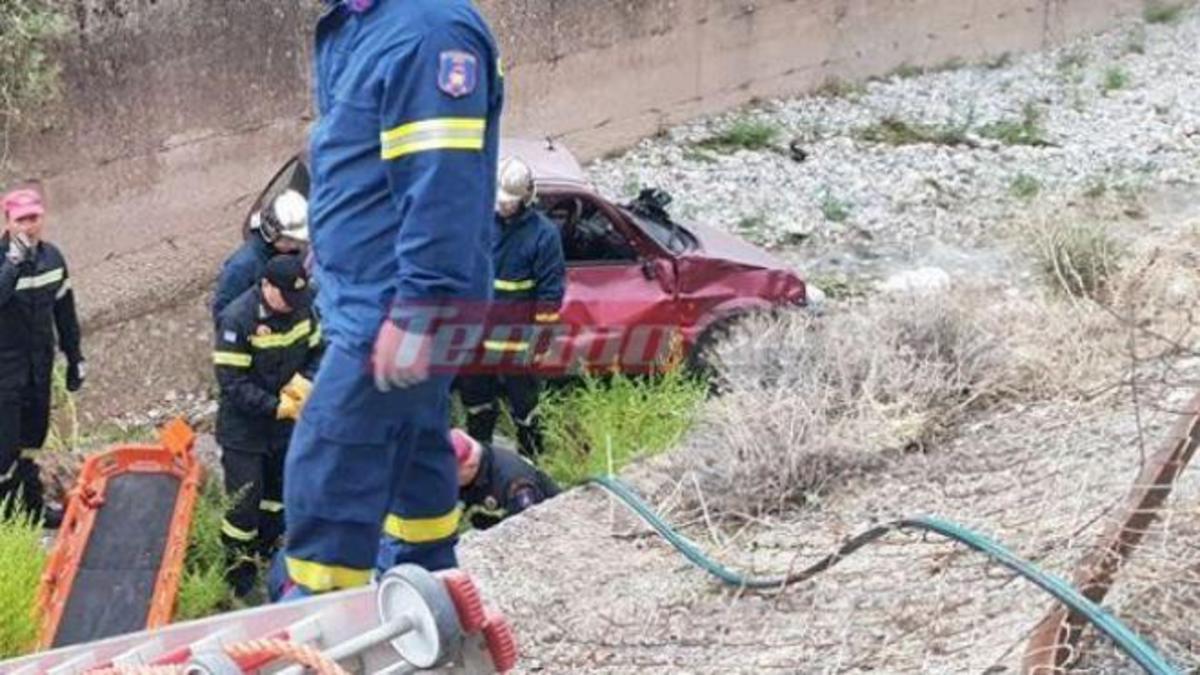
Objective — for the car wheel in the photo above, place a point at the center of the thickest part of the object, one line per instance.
(703, 359)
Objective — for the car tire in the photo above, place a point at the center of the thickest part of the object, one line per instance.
(701, 361)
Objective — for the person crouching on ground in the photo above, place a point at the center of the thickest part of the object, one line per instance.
(267, 349)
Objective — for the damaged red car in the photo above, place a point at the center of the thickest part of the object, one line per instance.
(640, 286)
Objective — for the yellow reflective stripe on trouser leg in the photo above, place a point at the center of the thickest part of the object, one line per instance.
(232, 359)
(268, 506)
(443, 133)
(236, 533)
(422, 530)
(320, 578)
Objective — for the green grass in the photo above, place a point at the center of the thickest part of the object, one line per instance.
(203, 591)
(894, 131)
(1025, 186)
(1115, 79)
(834, 210)
(743, 134)
(602, 424)
(1025, 131)
(21, 562)
(1163, 12)
(29, 69)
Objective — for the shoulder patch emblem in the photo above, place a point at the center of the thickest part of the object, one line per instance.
(458, 73)
(230, 337)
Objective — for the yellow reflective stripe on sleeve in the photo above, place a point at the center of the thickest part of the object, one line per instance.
(63, 290)
(42, 280)
(283, 340)
(232, 359)
(445, 133)
(236, 533)
(314, 340)
(269, 506)
(547, 317)
(503, 346)
(514, 284)
(422, 530)
(320, 578)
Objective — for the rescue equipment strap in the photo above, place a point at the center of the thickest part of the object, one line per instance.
(442, 133)
(422, 530)
(514, 284)
(320, 578)
(232, 359)
(42, 280)
(236, 533)
(300, 331)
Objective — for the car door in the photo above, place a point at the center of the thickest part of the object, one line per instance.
(619, 308)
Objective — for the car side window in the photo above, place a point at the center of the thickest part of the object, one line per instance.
(589, 236)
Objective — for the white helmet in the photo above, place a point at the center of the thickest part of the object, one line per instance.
(285, 218)
(514, 186)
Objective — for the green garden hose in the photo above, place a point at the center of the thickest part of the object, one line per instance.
(1125, 639)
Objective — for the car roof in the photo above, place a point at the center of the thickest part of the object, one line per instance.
(553, 164)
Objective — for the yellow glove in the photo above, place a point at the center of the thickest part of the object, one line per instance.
(289, 409)
(299, 388)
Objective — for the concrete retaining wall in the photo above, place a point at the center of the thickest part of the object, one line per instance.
(176, 111)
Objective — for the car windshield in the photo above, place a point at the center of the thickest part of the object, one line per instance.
(672, 236)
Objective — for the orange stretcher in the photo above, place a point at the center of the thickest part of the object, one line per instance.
(118, 559)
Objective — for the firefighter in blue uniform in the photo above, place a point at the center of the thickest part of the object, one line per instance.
(37, 311)
(279, 228)
(403, 165)
(529, 284)
(496, 483)
(268, 345)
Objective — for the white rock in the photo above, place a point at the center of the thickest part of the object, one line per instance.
(923, 281)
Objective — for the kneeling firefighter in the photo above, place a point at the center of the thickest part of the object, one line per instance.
(529, 286)
(267, 349)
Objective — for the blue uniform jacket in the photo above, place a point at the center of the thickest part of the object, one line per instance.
(241, 272)
(403, 163)
(530, 274)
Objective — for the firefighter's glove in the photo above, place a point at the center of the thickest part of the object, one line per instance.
(299, 388)
(401, 358)
(76, 374)
(19, 250)
(289, 409)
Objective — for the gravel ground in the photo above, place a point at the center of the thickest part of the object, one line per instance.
(1106, 146)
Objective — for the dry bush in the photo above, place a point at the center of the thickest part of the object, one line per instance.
(808, 398)
(1078, 259)
(812, 400)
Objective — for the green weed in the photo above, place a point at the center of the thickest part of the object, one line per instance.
(1115, 79)
(1072, 61)
(203, 591)
(833, 209)
(895, 131)
(1160, 12)
(1002, 60)
(743, 134)
(906, 71)
(1025, 186)
(1025, 131)
(22, 559)
(602, 424)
